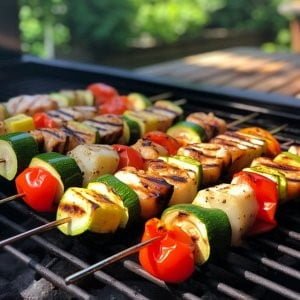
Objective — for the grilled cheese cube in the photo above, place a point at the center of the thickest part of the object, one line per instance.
(185, 182)
(213, 158)
(153, 192)
(237, 201)
(292, 175)
(149, 149)
(110, 127)
(242, 149)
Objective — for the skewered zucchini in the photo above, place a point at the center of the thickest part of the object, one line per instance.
(209, 228)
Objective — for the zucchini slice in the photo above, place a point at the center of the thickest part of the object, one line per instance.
(138, 101)
(88, 210)
(187, 133)
(62, 167)
(209, 228)
(131, 131)
(73, 204)
(16, 150)
(129, 198)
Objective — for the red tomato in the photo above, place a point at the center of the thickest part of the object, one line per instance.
(40, 188)
(266, 194)
(129, 157)
(42, 120)
(102, 92)
(170, 258)
(273, 146)
(116, 105)
(164, 140)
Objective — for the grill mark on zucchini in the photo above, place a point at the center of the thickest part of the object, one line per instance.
(72, 209)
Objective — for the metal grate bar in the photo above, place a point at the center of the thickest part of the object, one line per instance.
(271, 285)
(99, 275)
(58, 281)
(270, 263)
(281, 248)
(290, 233)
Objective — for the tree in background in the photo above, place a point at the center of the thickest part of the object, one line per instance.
(42, 26)
(105, 26)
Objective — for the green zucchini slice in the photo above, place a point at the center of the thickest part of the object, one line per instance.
(62, 167)
(129, 198)
(209, 228)
(16, 152)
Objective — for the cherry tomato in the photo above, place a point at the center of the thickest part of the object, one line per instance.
(116, 105)
(42, 120)
(171, 257)
(273, 146)
(165, 140)
(40, 188)
(129, 157)
(266, 194)
(102, 92)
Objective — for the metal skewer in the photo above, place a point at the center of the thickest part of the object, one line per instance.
(242, 120)
(34, 231)
(161, 96)
(7, 199)
(107, 261)
(278, 129)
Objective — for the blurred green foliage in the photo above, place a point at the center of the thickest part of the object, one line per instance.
(109, 25)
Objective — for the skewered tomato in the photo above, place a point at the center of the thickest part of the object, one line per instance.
(128, 157)
(102, 92)
(171, 257)
(42, 120)
(273, 146)
(266, 194)
(164, 140)
(116, 105)
(40, 188)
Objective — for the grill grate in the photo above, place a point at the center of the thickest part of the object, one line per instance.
(265, 267)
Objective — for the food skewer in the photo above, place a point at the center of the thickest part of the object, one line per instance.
(110, 259)
(107, 261)
(11, 198)
(275, 130)
(34, 231)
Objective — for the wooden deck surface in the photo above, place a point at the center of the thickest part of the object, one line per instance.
(242, 68)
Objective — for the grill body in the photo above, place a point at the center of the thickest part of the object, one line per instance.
(264, 267)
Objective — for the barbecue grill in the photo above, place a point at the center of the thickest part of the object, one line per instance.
(263, 267)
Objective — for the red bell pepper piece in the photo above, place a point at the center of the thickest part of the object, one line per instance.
(266, 193)
(40, 189)
(165, 140)
(171, 257)
(42, 120)
(102, 92)
(128, 157)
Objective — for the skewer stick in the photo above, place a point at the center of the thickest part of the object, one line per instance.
(34, 231)
(243, 119)
(107, 261)
(160, 96)
(7, 199)
(278, 129)
(180, 102)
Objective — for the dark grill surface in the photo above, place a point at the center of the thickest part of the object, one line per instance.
(264, 267)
